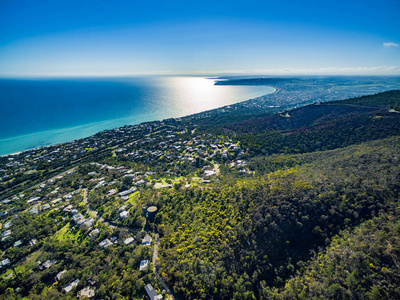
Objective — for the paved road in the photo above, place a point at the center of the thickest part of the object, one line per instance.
(160, 280)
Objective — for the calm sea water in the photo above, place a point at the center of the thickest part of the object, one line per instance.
(37, 113)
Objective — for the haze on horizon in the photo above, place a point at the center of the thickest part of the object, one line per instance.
(105, 38)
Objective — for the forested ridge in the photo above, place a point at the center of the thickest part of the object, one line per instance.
(238, 240)
(245, 238)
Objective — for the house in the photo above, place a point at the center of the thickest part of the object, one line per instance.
(127, 192)
(105, 243)
(209, 172)
(93, 233)
(87, 292)
(47, 264)
(128, 240)
(6, 233)
(78, 217)
(151, 293)
(88, 223)
(60, 275)
(70, 286)
(143, 264)
(124, 214)
(56, 201)
(7, 225)
(18, 243)
(34, 210)
(146, 240)
(140, 182)
(32, 242)
(33, 199)
(4, 262)
(68, 208)
(46, 206)
(111, 192)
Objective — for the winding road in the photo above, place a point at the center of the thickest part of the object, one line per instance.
(159, 278)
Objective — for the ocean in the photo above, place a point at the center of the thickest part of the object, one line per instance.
(41, 112)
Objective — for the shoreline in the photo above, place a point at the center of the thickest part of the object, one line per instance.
(53, 133)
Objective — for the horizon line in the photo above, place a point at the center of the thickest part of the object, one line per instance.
(210, 76)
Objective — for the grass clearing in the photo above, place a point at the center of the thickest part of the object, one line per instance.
(64, 234)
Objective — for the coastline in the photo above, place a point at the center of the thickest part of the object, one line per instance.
(57, 136)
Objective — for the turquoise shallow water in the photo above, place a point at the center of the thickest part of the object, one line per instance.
(42, 112)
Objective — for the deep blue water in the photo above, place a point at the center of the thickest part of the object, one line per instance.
(41, 112)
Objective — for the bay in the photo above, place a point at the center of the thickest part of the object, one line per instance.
(41, 112)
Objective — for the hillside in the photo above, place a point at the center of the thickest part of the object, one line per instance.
(298, 204)
(255, 233)
(319, 127)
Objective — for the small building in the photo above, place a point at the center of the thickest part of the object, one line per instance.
(18, 243)
(94, 233)
(143, 265)
(146, 240)
(78, 217)
(6, 234)
(48, 263)
(7, 225)
(151, 293)
(127, 192)
(34, 210)
(128, 240)
(140, 182)
(67, 288)
(46, 206)
(56, 201)
(33, 199)
(209, 172)
(4, 262)
(68, 208)
(88, 223)
(105, 243)
(60, 275)
(124, 214)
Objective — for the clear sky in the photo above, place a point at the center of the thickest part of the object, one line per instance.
(128, 37)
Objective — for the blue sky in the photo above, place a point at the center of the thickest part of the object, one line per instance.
(85, 37)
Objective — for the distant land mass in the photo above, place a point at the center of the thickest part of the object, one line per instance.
(255, 81)
(294, 197)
